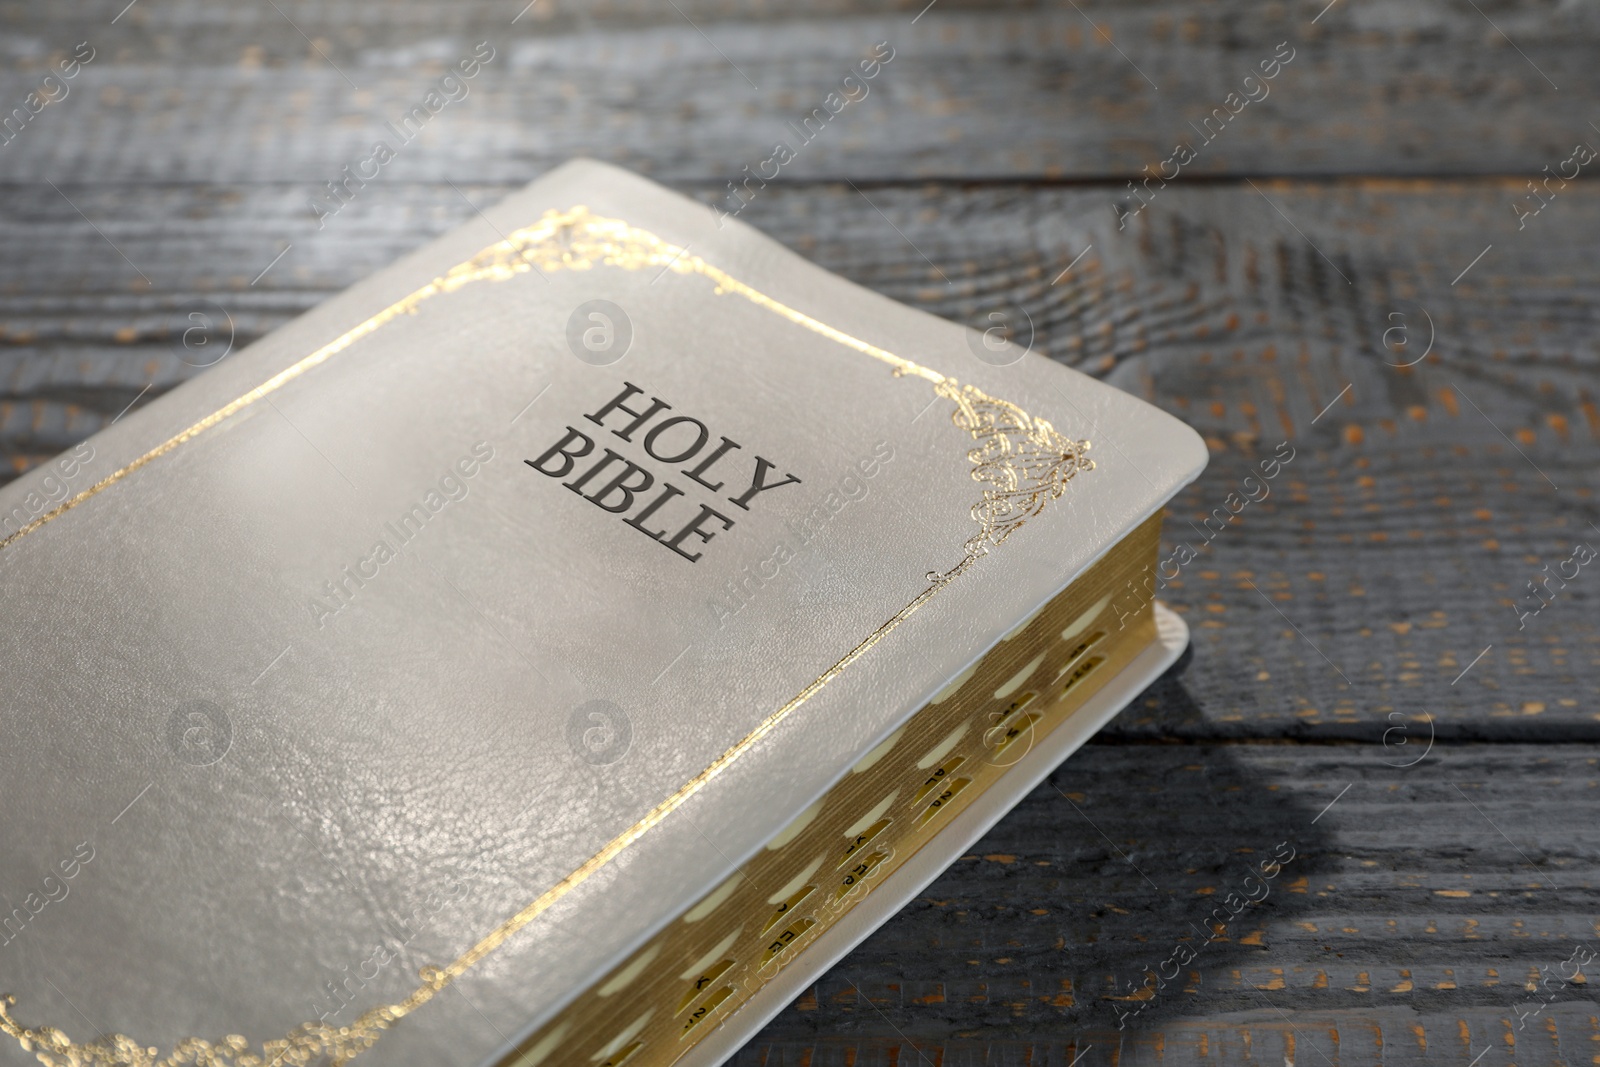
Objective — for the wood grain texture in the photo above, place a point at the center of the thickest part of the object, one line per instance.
(1405, 929)
(189, 91)
(1361, 610)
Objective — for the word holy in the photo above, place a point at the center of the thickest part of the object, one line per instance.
(1581, 554)
(852, 90)
(51, 90)
(1232, 906)
(1183, 154)
(742, 588)
(1156, 578)
(1582, 156)
(446, 91)
(674, 440)
(54, 889)
(451, 488)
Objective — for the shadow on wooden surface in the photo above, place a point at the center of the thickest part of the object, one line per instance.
(1421, 903)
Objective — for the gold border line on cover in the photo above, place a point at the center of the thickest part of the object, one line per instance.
(1022, 461)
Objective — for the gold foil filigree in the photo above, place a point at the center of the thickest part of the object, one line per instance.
(1021, 460)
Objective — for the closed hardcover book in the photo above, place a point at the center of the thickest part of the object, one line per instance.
(557, 649)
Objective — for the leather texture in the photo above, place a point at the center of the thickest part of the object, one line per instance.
(401, 772)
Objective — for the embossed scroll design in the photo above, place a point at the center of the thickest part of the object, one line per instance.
(1022, 462)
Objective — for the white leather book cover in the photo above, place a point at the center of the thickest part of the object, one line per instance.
(376, 692)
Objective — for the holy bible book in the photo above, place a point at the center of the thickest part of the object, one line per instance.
(560, 648)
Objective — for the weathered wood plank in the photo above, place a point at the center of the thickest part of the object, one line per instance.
(188, 91)
(1393, 1036)
(1211, 275)
(1406, 928)
(1395, 544)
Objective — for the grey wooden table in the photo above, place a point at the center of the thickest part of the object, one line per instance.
(1349, 258)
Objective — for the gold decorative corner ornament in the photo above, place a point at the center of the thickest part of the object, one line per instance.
(1022, 461)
